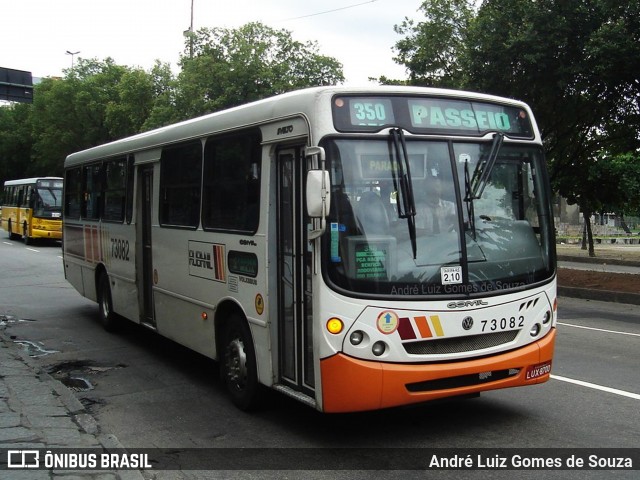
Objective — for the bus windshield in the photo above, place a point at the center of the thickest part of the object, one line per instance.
(451, 243)
(48, 201)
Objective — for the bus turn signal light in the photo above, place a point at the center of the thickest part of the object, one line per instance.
(335, 325)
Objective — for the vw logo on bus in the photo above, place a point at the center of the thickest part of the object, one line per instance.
(467, 323)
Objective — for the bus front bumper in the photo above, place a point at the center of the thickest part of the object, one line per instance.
(350, 384)
(44, 233)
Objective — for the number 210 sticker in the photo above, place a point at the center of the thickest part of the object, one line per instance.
(451, 275)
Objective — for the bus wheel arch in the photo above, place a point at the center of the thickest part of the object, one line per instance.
(108, 317)
(236, 356)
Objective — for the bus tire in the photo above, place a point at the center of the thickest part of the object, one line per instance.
(238, 367)
(25, 235)
(9, 229)
(108, 318)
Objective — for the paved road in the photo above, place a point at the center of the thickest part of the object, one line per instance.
(149, 392)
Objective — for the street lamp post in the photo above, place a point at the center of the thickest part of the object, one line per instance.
(189, 33)
(73, 54)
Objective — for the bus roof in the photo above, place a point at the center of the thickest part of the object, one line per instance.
(299, 102)
(28, 181)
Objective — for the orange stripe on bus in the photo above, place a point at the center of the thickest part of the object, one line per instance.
(423, 327)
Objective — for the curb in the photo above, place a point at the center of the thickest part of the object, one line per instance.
(599, 295)
(598, 260)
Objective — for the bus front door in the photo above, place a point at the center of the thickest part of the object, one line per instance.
(294, 275)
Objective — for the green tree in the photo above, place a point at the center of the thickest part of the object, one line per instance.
(163, 111)
(15, 141)
(222, 68)
(96, 102)
(433, 49)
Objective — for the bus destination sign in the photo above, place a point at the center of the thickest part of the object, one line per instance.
(429, 115)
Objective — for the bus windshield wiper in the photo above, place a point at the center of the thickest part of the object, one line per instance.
(474, 186)
(403, 184)
(484, 168)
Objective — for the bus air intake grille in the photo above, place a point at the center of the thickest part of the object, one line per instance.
(460, 344)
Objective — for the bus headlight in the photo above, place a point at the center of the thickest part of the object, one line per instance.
(356, 337)
(535, 330)
(547, 318)
(379, 348)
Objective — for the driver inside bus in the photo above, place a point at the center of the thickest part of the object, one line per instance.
(434, 213)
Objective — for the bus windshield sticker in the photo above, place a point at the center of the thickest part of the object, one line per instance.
(335, 241)
(371, 260)
(243, 263)
(451, 275)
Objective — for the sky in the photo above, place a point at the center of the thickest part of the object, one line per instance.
(35, 35)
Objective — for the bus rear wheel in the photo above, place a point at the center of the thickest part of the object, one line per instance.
(239, 371)
(108, 318)
(10, 230)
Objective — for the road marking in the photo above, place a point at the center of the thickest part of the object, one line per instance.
(7, 243)
(33, 250)
(600, 329)
(635, 396)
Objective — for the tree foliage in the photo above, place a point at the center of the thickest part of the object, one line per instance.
(222, 68)
(15, 141)
(433, 49)
(96, 102)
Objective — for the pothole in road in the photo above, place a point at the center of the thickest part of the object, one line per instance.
(74, 374)
(77, 384)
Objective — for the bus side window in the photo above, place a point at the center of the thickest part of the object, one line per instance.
(20, 200)
(93, 193)
(72, 193)
(115, 185)
(129, 192)
(231, 190)
(180, 178)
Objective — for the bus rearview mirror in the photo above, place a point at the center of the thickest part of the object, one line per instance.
(318, 193)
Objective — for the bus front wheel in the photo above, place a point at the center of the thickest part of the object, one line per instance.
(105, 306)
(25, 235)
(239, 371)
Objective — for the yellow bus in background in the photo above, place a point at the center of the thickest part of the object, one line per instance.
(32, 208)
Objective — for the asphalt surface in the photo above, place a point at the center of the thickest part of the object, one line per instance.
(39, 412)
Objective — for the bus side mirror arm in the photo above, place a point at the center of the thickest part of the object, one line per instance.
(318, 193)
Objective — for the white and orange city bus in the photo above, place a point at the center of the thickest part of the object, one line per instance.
(355, 249)
(32, 208)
